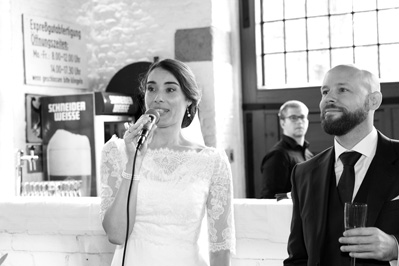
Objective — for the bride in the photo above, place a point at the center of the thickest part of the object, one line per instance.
(176, 182)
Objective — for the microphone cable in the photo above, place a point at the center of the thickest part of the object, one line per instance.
(154, 115)
(127, 207)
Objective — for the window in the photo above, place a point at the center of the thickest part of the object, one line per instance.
(297, 41)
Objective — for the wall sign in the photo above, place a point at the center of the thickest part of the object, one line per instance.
(54, 53)
(68, 139)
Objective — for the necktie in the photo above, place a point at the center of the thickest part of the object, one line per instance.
(347, 180)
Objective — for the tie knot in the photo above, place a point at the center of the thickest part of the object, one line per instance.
(350, 158)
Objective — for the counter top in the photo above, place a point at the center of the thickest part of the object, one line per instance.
(268, 218)
(51, 230)
(60, 213)
(50, 214)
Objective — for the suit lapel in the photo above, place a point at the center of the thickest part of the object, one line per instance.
(381, 175)
(320, 188)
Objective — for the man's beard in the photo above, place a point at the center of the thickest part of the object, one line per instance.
(346, 122)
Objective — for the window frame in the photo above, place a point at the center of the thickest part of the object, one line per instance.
(255, 98)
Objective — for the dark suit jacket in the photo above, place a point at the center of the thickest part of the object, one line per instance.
(310, 188)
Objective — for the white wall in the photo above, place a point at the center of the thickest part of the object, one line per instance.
(69, 232)
(118, 33)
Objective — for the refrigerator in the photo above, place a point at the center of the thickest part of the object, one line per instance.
(74, 130)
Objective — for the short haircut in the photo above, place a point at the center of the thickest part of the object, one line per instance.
(290, 104)
(369, 80)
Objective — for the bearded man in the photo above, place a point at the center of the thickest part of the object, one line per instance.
(349, 98)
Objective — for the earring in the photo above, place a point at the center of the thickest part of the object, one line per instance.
(188, 113)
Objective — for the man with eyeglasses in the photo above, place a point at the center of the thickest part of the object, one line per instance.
(290, 150)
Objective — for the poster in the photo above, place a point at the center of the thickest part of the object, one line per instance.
(68, 139)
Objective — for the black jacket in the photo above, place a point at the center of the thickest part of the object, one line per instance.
(278, 163)
(310, 201)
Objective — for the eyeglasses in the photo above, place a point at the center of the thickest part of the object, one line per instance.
(295, 118)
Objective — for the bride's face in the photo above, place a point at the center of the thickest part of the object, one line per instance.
(163, 93)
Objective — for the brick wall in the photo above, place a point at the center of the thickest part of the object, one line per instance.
(53, 231)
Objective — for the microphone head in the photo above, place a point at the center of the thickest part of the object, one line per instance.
(154, 113)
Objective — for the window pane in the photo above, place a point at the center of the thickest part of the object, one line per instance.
(302, 39)
(319, 64)
(387, 19)
(257, 14)
(340, 6)
(259, 71)
(387, 3)
(272, 10)
(341, 30)
(258, 38)
(318, 33)
(365, 25)
(363, 5)
(274, 70)
(295, 35)
(296, 69)
(389, 58)
(366, 58)
(341, 56)
(317, 7)
(294, 8)
(273, 37)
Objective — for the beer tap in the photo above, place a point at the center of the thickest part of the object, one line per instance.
(20, 157)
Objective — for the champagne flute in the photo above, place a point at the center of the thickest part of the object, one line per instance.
(355, 215)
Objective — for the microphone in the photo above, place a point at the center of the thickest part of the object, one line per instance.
(154, 116)
(145, 131)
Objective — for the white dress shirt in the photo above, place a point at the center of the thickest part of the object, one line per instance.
(367, 148)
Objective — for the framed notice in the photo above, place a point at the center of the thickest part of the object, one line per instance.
(54, 53)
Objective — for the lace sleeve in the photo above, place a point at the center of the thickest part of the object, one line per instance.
(112, 163)
(220, 213)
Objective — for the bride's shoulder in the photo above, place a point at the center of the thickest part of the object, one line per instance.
(216, 153)
(197, 147)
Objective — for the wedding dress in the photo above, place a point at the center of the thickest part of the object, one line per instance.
(176, 189)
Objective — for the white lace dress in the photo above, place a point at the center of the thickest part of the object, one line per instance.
(176, 189)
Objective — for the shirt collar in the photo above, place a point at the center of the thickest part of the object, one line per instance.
(292, 142)
(367, 146)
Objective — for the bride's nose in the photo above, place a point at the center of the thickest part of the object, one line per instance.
(158, 98)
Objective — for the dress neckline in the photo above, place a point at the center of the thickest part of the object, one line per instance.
(186, 151)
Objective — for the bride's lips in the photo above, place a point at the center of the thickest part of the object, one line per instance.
(161, 110)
